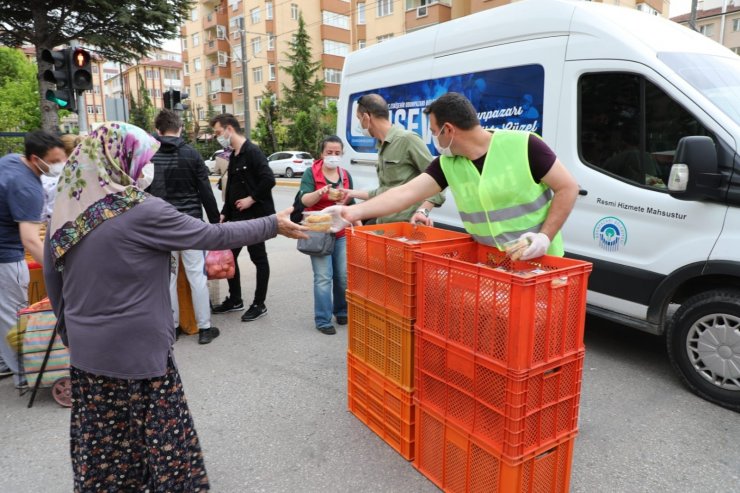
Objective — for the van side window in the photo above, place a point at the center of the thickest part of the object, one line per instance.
(630, 128)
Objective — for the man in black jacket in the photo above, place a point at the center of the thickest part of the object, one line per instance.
(181, 178)
(248, 196)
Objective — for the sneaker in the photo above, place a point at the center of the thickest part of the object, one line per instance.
(205, 336)
(228, 306)
(254, 312)
(328, 330)
(178, 332)
(5, 372)
(22, 386)
(342, 319)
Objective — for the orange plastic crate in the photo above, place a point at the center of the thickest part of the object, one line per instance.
(514, 413)
(381, 339)
(519, 320)
(380, 262)
(459, 463)
(385, 408)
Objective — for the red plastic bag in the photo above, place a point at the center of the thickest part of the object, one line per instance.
(220, 264)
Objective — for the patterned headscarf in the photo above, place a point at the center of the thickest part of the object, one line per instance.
(104, 177)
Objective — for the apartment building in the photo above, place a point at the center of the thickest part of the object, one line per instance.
(718, 20)
(213, 61)
(159, 72)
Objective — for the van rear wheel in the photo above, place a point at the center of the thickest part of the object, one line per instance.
(703, 342)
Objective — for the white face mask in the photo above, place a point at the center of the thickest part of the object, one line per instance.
(365, 131)
(55, 169)
(332, 162)
(443, 151)
(224, 141)
(147, 176)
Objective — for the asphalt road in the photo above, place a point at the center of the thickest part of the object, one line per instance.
(270, 406)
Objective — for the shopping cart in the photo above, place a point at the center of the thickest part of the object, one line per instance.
(44, 358)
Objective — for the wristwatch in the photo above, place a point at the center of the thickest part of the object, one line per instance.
(423, 211)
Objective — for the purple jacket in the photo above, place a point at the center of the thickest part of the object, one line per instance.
(115, 285)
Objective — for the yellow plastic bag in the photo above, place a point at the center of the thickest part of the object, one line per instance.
(15, 334)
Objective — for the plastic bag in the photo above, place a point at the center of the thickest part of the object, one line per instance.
(220, 264)
(323, 221)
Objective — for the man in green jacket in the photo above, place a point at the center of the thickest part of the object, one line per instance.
(402, 156)
(507, 184)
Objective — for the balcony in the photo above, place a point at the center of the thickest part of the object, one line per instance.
(213, 3)
(213, 46)
(335, 34)
(427, 15)
(338, 6)
(221, 98)
(218, 18)
(218, 72)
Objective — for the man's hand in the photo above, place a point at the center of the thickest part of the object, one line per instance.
(221, 218)
(420, 218)
(346, 212)
(538, 245)
(245, 203)
(288, 228)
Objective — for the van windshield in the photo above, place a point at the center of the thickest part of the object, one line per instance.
(716, 77)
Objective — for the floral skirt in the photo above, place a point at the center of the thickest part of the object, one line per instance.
(133, 435)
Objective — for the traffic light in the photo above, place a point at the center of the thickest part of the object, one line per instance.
(81, 70)
(173, 98)
(60, 75)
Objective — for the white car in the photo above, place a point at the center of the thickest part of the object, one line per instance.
(290, 163)
(211, 161)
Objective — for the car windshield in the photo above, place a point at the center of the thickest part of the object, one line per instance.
(716, 77)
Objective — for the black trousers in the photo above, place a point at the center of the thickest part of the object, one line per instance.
(258, 256)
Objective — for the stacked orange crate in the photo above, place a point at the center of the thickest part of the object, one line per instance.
(381, 303)
(499, 360)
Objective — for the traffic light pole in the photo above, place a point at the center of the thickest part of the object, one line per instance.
(245, 83)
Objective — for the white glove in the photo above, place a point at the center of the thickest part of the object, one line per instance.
(538, 245)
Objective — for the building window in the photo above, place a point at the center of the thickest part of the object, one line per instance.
(184, 43)
(736, 50)
(90, 109)
(94, 69)
(736, 24)
(99, 109)
(186, 68)
(223, 58)
(335, 20)
(270, 42)
(707, 29)
(194, 14)
(237, 79)
(385, 7)
(258, 103)
(335, 48)
(268, 11)
(158, 93)
(257, 75)
(196, 64)
(272, 71)
(256, 46)
(294, 11)
(220, 32)
(236, 54)
(235, 24)
(199, 89)
(384, 37)
(360, 13)
(96, 89)
(152, 73)
(329, 100)
(255, 15)
(196, 39)
(361, 43)
(332, 76)
(201, 114)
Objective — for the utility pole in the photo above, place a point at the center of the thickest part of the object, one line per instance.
(245, 82)
(722, 21)
(692, 17)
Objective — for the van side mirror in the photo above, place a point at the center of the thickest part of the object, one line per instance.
(695, 172)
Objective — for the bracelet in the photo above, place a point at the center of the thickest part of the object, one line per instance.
(423, 211)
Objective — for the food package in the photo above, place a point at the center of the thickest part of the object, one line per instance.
(515, 248)
(323, 222)
(220, 264)
(335, 194)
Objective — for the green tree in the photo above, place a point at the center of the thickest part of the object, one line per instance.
(269, 132)
(120, 31)
(306, 89)
(142, 109)
(19, 92)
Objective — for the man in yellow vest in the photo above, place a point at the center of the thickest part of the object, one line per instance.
(507, 185)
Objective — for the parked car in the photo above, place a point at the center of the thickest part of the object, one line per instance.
(290, 163)
(212, 164)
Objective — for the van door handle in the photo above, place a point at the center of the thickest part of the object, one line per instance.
(581, 191)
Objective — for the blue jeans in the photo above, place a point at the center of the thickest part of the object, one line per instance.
(330, 277)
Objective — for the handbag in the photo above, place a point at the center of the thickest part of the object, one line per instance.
(297, 215)
(220, 264)
(317, 244)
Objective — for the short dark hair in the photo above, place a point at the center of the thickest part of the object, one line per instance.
(453, 108)
(373, 104)
(331, 138)
(225, 119)
(39, 142)
(167, 121)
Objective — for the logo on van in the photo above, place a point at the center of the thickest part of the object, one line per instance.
(611, 233)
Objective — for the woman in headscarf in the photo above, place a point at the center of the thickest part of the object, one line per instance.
(107, 273)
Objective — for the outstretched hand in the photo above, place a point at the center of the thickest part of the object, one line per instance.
(288, 228)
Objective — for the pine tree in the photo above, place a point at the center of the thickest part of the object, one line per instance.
(269, 132)
(142, 111)
(306, 89)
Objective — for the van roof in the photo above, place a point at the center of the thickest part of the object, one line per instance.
(596, 30)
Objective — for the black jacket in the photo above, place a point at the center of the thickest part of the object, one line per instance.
(249, 176)
(181, 178)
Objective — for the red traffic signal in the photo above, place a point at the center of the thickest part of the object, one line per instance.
(81, 70)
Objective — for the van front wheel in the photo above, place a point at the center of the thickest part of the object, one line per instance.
(704, 346)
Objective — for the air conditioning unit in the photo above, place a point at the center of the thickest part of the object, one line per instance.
(421, 11)
(214, 95)
(239, 90)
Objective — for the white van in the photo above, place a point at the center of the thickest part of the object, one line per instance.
(612, 91)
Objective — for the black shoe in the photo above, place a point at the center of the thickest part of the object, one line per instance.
(178, 332)
(205, 336)
(328, 330)
(342, 319)
(228, 306)
(5, 372)
(254, 312)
